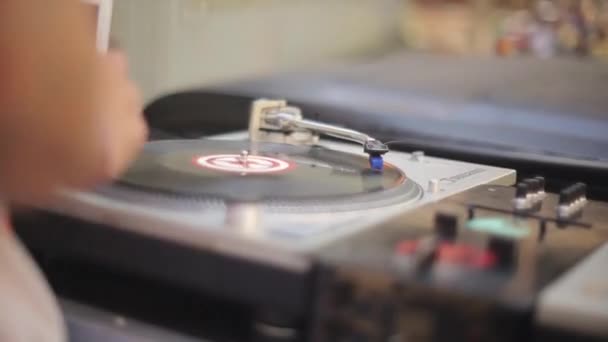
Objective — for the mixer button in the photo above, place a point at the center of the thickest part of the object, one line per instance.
(484, 260)
(406, 247)
(504, 250)
(454, 253)
(446, 226)
(449, 253)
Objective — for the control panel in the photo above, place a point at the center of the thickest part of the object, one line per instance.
(477, 266)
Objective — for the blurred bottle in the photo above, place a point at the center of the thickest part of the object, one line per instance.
(599, 43)
(543, 35)
(514, 33)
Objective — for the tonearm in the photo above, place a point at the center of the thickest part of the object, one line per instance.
(275, 121)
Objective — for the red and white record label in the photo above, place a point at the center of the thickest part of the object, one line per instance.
(238, 164)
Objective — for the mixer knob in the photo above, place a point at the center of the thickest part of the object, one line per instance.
(572, 200)
(446, 226)
(533, 185)
(573, 193)
(529, 194)
(536, 190)
(541, 194)
(522, 197)
(504, 250)
(533, 191)
(542, 183)
(521, 191)
(581, 191)
(566, 196)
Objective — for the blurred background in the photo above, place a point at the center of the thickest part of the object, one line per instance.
(513, 83)
(177, 44)
(180, 43)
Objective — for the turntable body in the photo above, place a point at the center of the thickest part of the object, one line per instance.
(294, 237)
(239, 218)
(290, 229)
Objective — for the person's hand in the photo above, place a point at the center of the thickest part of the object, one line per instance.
(123, 130)
(69, 117)
(76, 134)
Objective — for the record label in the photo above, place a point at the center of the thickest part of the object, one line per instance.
(235, 163)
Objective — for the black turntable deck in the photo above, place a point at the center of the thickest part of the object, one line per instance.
(208, 172)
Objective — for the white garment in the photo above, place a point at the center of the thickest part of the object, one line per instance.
(28, 310)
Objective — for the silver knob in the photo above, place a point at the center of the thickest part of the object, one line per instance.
(418, 156)
(244, 157)
(433, 186)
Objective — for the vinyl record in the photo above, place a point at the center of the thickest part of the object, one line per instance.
(278, 175)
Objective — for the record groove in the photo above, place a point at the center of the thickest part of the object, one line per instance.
(277, 177)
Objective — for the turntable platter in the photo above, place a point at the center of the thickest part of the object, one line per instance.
(275, 175)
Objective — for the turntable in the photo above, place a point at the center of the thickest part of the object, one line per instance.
(278, 186)
(242, 215)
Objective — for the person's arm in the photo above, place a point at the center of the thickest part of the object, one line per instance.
(68, 116)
